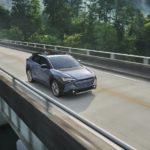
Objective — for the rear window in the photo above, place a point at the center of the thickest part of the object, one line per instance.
(63, 62)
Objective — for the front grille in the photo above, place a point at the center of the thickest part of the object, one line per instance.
(85, 83)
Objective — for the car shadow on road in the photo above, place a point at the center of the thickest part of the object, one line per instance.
(77, 102)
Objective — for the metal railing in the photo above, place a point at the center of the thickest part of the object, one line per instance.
(50, 101)
(110, 55)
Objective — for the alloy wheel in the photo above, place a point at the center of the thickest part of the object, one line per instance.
(55, 88)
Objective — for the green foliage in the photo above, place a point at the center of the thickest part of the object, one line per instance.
(147, 31)
(72, 40)
(58, 15)
(88, 32)
(147, 19)
(75, 6)
(146, 38)
(108, 25)
(15, 33)
(103, 9)
(4, 18)
(26, 16)
(104, 34)
(123, 13)
(142, 41)
(46, 39)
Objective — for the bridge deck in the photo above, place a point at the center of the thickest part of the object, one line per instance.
(120, 104)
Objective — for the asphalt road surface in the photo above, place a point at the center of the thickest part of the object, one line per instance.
(120, 104)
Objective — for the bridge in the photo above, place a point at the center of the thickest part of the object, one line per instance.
(118, 110)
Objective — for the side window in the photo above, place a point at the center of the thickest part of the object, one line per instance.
(44, 61)
(36, 59)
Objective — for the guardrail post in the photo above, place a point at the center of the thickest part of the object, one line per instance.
(27, 44)
(44, 46)
(69, 49)
(55, 48)
(145, 61)
(13, 82)
(47, 106)
(87, 53)
(112, 56)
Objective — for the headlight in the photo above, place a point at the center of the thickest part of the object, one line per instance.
(95, 81)
(67, 79)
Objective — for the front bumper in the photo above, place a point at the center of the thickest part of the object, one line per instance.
(80, 86)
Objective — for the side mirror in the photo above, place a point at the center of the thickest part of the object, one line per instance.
(44, 66)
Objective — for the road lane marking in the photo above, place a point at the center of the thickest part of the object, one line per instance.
(124, 96)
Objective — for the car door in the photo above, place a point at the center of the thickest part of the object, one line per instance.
(44, 72)
(35, 66)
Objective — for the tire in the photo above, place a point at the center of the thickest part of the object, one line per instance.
(29, 76)
(56, 89)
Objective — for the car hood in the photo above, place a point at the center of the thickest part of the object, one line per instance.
(79, 73)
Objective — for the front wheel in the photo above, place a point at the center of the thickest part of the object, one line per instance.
(56, 89)
(29, 76)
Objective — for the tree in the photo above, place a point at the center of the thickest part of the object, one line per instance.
(4, 18)
(121, 17)
(146, 37)
(143, 41)
(72, 40)
(75, 6)
(106, 37)
(46, 39)
(58, 16)
(127, 20)
(15, 33)
(88, 30)
(26, 16)
(103, 9)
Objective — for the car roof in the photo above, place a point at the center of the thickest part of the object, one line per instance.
(51, 56)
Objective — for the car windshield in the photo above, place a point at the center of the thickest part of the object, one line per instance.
(64, 62)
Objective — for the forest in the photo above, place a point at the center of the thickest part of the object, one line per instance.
(106, 25)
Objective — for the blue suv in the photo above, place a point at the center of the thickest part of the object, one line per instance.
(62, 73)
